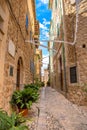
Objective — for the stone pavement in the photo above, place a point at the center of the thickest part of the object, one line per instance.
(57, 113)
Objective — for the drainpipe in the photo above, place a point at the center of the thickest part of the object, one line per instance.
(64, 63)
(33, 69)
(63, 49)
(33, 63)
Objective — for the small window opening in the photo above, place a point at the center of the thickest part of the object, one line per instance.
(84, 46)
(73, 75)
(11, 71)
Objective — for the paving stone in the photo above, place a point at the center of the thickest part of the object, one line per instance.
(57, 113)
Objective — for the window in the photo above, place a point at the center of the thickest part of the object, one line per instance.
(31, 66)
(73, 75)
(26, 21)
(11, 70)
(84, 46)
(58, 30)
(31, 35)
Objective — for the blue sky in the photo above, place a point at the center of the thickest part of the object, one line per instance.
(43, 14)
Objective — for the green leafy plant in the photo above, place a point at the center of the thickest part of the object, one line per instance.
(38, 82)
(42, 84)
(16, 99)
(13, 122)
(48, 82)
(33, 86)
(24, 98)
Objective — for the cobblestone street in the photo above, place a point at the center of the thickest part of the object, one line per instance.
(57, 113)
(43, 64)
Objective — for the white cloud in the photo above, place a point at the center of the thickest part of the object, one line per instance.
(45, 61)
(42, 26)
(44, 1)
(41, 43)
(44, 29)
(47, 34)
(44, 34)
(45, 22)
(38, 5)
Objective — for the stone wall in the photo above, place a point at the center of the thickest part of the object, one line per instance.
(3, 37)
(81, 47)
(77, 95)
(15, 38)
(76, 55)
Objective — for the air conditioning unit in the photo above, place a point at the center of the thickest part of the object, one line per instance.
(73, 2)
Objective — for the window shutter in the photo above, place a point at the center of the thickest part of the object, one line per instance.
(26, 21)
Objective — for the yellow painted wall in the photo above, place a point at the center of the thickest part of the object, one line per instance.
(32, 13)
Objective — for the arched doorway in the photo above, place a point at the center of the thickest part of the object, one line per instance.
(19, 79)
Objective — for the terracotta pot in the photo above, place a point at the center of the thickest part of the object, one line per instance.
(24, 112)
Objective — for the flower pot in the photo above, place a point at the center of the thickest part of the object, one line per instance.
(24, 112)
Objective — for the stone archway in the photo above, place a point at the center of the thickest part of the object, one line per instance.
(19, 77)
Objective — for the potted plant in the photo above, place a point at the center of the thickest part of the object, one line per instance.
(20, 101)
(23, 99)
(12, 122)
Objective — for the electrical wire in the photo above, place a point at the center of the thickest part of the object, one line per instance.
(33, 42)
(58, 41)
(76, 28)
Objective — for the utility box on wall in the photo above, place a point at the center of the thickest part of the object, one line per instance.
(11, 48)
(73, 1)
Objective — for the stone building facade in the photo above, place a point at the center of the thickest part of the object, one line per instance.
(37, 53)
(38, 63)
(56, 34)
(69, 63)
(53, 33)
(46, 76)
(16, 26)
(76, 55)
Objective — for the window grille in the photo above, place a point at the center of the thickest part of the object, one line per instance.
(73, 75)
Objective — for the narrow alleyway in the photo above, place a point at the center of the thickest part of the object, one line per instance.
(57, 113)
